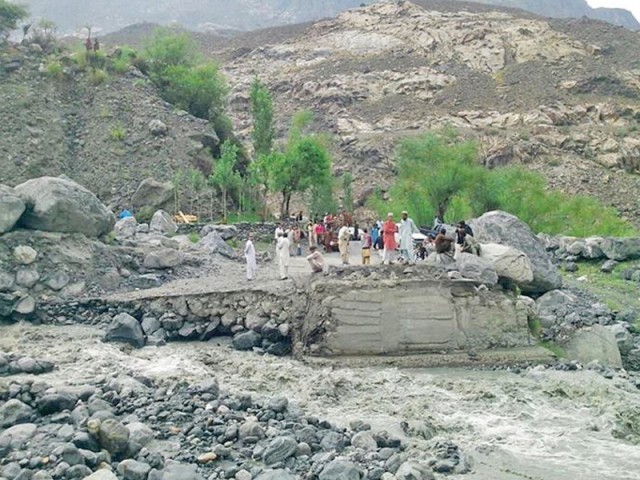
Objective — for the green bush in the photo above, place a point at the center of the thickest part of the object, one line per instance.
(194, 237)
(117, 133)
(441, 174)
(145, 214)
(54, 69)
(98, 77)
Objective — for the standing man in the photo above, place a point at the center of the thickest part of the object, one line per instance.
(283, 256)
(389, 229)
(250, 256)
(366, 247)
(407, 229)
(343, 243)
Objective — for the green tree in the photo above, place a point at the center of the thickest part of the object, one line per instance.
(436, 169)
(170, 49)
(262, 112)
(196, 181)
(321, 199)
(10, 15)
(224, 176)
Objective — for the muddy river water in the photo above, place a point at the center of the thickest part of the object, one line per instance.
(538, 424)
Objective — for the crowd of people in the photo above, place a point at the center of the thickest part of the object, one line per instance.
(401, 241)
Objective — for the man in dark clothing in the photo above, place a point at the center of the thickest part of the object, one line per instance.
(443, 242)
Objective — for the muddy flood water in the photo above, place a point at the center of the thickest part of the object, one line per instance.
(538, 424)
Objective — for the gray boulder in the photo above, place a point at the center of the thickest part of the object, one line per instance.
(7, 281)
(140, 433)
(126, 329)
(476, 268)
(275, 475)
(175, 471)
(594, 343)
(11, 208)
(158, 128)
(364, 441)
(26, 305)
(14, 412)
(153, 195)
(126, 228)
(15, 437)
(114, 437)
(341, 470)
(227, 232)
(412, 470)
(57, 280)
(552, 305)
(621, 249)
(279, 450)
(24, 255)
(508, 262)
(56, 402)
(506, 229)
(164, 258)
(61, 205)
(27, 277)
(214, 243)
(133, 470)
(161, 222)
(441, 260)
(247, 340)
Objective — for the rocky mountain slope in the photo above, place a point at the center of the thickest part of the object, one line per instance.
(109, 15)
(561, 96)
(571, 9)
(109, 136)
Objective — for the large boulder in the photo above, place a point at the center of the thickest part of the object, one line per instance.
(14, 412)
(164, 258)
(61, 205)
(621, 249)
(11, 208)
(153, 195)
(554, 305)
(476, 268)
(214, 243)
(113, 436)
(126, 227)
(506, 229)
(227, 232)
(126, 329)
(508, 262)
(161, 222)
(594, 343)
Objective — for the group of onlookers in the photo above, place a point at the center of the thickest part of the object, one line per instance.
(395, 241)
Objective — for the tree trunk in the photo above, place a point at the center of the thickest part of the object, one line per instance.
(283, 206)
(288, 202)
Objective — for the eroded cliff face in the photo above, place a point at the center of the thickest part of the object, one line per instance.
(560, 96)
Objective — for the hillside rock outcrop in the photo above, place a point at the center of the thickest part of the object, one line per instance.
(506, 229)
(153, 195)
(62, 205)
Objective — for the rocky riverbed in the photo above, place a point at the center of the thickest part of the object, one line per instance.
(220, 413)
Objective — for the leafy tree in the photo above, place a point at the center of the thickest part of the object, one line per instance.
(196, 181)
(170, 49)
(10, 15)
(224, 176)
(321, 199)
(195, 89)
(262, 112)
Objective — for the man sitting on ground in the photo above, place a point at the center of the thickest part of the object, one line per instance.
(316, 260)
(444, 243)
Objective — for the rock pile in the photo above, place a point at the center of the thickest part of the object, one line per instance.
(121, 428)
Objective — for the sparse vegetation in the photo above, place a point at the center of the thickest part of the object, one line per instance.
(54, 69)
(194, 237)
(117, 133)
(98, 77)
(554, 348)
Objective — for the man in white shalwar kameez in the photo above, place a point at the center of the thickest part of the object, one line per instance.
(250, 256)
(407, 229)
(283, 256)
